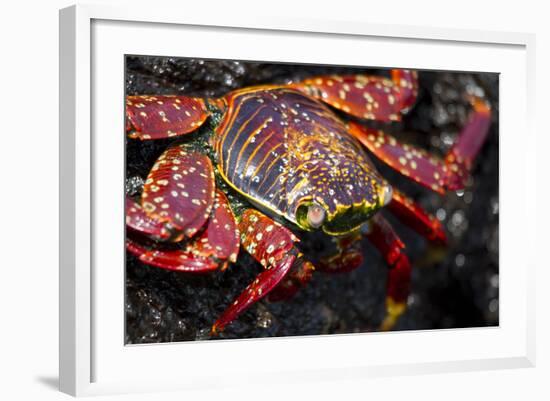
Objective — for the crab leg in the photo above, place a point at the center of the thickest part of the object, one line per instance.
(439, 175)
(415, 217)
(217, 244)
(365, 96)
(299, 275)
(156, 117)
(384, 238)
(272, 245)
(182, 260)
(469, 142)
(410, 161)
(407, 81)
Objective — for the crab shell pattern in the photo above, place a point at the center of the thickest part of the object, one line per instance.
(289, 155)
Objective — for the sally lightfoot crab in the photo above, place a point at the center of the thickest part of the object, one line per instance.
(284, 150)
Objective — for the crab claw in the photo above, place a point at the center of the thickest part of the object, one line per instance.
(179, 191)
(365, 96)
(140, 222)
(217, 244)
(156, 117)
(348, 256)
(273, 246)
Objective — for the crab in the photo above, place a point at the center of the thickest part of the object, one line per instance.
(277, 161)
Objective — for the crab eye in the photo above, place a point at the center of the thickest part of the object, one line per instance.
(386, 194)
(316, 215)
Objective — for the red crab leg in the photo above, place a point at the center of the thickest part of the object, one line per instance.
(348, 256)
(177, 259)
(217, 243)
(299, 275)
(410, 161)
(384, 238)
(155, 117)
(415, 217)
(430, 171)
(407, 81)
(273, 246)
(179, 190)
(365, 96)
(460, 158)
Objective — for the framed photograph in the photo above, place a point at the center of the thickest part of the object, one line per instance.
(347, 203)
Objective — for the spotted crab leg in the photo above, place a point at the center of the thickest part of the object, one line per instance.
(390, 246)
(415, 217)
(215, 246)
(156, 117)
(469, 142)
(299, 275)
(272, 245)
(439, 175)
(365, 96)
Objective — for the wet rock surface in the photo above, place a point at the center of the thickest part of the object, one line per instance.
(451, 288)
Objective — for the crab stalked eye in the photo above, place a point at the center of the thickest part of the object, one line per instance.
(310, 215)
(385, 194)
(316, 215)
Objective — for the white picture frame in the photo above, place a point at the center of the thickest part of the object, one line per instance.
(94, 360)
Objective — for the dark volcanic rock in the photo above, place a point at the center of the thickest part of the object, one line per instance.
(457, 287)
